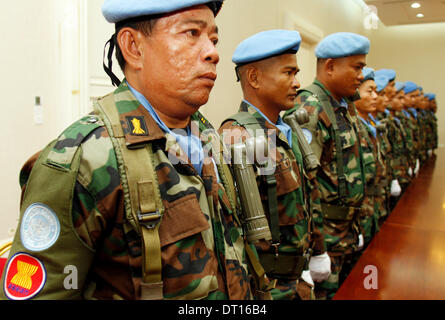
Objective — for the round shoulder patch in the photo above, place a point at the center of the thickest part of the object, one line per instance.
(40, 228)
(308, 135)
(25, 277)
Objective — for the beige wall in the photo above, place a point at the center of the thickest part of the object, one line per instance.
(43, 56)
(417, 53)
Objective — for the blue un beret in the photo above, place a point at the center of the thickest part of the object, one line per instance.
(368, 74)
(430, 96)
(410, 87)
(389, 73)
(342, 44)
(399, 86)
(266, 44)
(118, 10)
(381, 82)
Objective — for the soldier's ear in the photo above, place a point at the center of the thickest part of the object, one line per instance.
(329, 66)
(130, 42)
(252, 76)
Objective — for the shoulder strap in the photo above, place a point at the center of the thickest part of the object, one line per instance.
(246, 120)
(323, 97)
(143, 204)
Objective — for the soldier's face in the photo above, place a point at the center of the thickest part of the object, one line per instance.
(278, 84)
(412, 98)
(398, 101)
(180, 57)
(347, 74)
(382, 101)
(368, 102)
(391, 90)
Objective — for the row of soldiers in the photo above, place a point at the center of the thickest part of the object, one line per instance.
(143, 199)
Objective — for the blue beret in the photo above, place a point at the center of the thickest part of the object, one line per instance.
(399, 86)
(420, 88)
(410, 87)
(266, 44)
(430, 96)
(368, 74)
(389, 73)
(342, 44)
(381, 82)
(119, 10)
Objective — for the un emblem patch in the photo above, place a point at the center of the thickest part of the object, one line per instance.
(40, 228)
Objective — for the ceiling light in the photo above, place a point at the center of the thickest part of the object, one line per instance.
(415, 5)
(420, 15)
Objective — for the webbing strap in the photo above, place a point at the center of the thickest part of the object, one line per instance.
(261, 285)
(145, 206)
(273, 207)
(325, 103)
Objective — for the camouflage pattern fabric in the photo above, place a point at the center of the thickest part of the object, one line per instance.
(371, 160)
(298, 200)
(341, 236)
(396, 136)
(203, 255)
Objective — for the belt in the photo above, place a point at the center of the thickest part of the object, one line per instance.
(334, 212)
(288, 266)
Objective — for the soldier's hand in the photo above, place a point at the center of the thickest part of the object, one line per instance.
(320, 267)
(430, 153)
(396, 190)
(416, 170)
(410, 171)
(306, 276)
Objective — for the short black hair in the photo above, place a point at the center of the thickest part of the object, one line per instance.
(144, 24)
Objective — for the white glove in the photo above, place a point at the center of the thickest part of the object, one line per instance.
(320, 267)
(410, 171)
(361, 242)
(416, 170)
(395, 188)
(430, 153)
(306, 276)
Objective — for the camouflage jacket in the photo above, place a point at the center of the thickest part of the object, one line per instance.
(298, 197)
(396, 137)
(410, 142)
(340, 236)
(203, 253)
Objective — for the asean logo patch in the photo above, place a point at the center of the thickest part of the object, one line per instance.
(137, 126)
(25, 277)
(308, 135)
(40, 228)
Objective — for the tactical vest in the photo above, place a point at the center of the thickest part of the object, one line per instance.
(57, 169)
(277, 265)
(51, 184)
(340, 211)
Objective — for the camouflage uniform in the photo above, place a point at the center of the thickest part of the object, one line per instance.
(399, 156)
(203, 253)
(373, 173)
(298, 200)
(384, 170)
(341, 235)
(410, 142)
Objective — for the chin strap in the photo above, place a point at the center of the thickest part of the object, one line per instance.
(108, 69)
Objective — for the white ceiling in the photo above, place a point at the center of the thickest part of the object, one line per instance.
(398, 12)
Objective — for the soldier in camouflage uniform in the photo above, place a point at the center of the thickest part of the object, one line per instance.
(409, 123)
(375, 191)
(337, 142)
(77, 210)
(267, 68)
